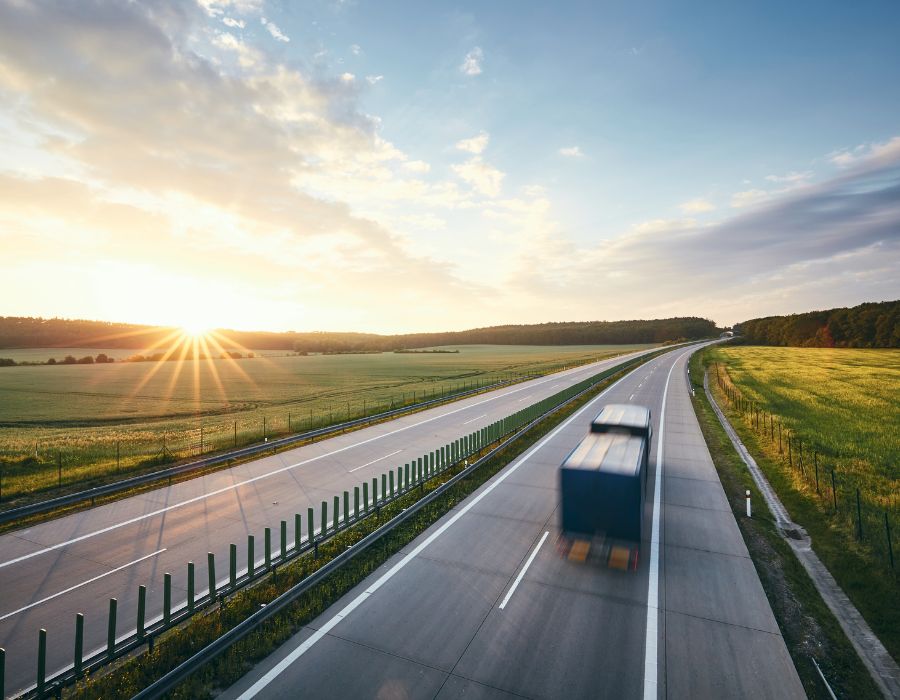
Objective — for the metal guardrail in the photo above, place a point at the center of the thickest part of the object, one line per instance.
(169, 473)
(408, 478)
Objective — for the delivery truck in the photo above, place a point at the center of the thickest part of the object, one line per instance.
(603, 483)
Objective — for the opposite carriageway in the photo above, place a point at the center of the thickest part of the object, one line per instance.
(75, 564)
(481, 606)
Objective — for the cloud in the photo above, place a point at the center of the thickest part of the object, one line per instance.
(746, 198)
(374, 79)
(234, 23)
(471, 64)
(274, 30)
(866, 152)
(417, 166)
(355, 49)
(696, 206)
(347, 77)
(247, 55)
(792, 178)
(485, 178)
(475, 145)
(571, 152)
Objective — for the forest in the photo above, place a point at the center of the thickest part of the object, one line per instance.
(23, 332)
(870, 325)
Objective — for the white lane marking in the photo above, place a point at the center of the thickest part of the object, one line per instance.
(631, 397)
(525, 398)
(522, 572)
(650, 644)
(279, 668)
(83, 583)
(368, 464)
(275, 472)
(483, 415)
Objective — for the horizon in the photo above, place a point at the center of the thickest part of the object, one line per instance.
(393, 169)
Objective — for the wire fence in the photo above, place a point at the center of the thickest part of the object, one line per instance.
(840, 493)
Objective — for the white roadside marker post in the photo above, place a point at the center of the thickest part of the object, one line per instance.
(748, 503)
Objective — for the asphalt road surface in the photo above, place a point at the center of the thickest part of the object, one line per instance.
(482, 606)
(52, 571)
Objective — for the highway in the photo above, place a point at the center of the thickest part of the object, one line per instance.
(482, 606)
(50, 572)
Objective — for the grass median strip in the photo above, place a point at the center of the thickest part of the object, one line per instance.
(178, 644)
(810, 630)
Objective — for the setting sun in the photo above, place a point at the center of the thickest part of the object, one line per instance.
(195, 329)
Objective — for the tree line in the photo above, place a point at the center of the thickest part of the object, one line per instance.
(870, 325)
(24, 332)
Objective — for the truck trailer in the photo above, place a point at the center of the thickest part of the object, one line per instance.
(603, 483)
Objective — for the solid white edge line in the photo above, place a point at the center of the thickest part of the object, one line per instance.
(231, 487)
(652, 634)
(276, 670)
(483, 415)
(83, 583)
(369, 464)
(522, 572)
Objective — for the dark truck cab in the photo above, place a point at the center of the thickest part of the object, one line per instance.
(603, 482)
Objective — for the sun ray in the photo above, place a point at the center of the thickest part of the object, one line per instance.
(179, 365)
(214, 338)
(157, 365)
(213, 370)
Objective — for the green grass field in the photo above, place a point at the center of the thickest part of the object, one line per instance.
(81, 416)
(842, 404)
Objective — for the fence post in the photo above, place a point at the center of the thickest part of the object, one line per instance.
(780, 450)
(833, 491)
(141, 610)
(59, 468)
(816, 465)
(42, 661)
(79, 646)
(887, 532)
(859, 532)
(117, 454)
(235, 433)
(800, 455)
(111, 627)
(211, 569)
(790, 453)
(167, 598)
(190, 586)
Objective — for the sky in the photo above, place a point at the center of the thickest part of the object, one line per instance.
(425, 166)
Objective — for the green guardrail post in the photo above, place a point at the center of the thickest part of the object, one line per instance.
(79, 647)
(251, 556)
(141, 610)
(167, 598)
(267, 547)
(311, 525)
(383, 486)
(211, 570)
(420, 469)
(399, 480)
(324, 527)
(298, 521)
(42, 661)
(374, 492)
(391, 481)
(283, 540)
(346, 508)
(111, 627)
(2, 672)
(337, 512)
(431, 461)
(356, 502)
(232, 565)
(366, 496)
(190, 586)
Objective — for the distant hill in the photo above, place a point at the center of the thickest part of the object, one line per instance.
(872, 325)
(22, 332)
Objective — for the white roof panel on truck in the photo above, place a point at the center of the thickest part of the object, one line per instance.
(614, 453)
(625, 415)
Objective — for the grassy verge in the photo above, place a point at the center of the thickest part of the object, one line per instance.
(808, 626)
(179, 644)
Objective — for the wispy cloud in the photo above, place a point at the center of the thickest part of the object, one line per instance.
(696, 206)
(485, 178)
(471, 64)
(274, 30)
(355, 49)
(791, 178)
(571, 152)
(374, 79)
(739, 200)
(234, 23)
(476, 144)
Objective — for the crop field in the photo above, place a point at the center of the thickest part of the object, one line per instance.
(72, 423)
